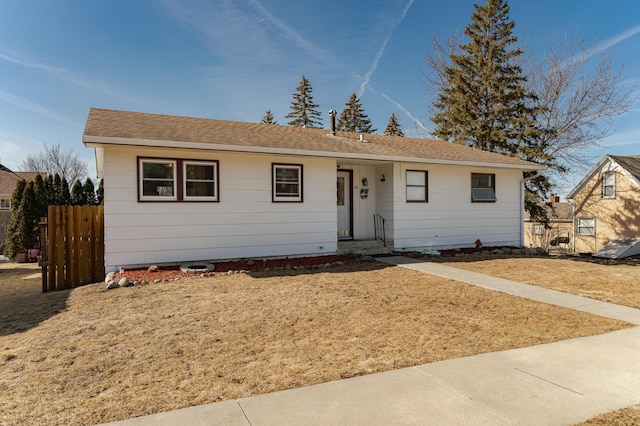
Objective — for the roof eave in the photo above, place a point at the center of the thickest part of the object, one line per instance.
(102, 141)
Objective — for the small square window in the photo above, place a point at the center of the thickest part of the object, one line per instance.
(538, 229)
(158, 179)
(5, 204)
(586, 226)
(609, 185)
(287, 182)
(417, 188)
(483, 188)
(200, 181)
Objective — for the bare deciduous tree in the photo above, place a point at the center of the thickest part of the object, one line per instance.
(54, 159)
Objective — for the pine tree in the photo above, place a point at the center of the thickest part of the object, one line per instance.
(393, 127)
(268, 118)
(89, 193)
(28, 221)
(13, 240)
(65, 194)
(303, 109)
(353, 118)
(39, 187)
(77, 194)
(100, 192)
(484, 102)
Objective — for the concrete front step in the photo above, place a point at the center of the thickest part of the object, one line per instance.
(362, 247)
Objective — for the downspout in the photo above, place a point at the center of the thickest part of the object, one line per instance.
(522, 182)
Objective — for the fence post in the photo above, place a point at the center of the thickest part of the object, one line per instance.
(44, 263)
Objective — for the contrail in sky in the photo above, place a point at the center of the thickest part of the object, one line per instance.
(38, 109)
(376, 60)
(415, 120)
(606, 44)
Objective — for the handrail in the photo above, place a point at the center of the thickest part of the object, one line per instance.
(378, 223)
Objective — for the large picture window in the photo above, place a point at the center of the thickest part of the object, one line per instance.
(417, 188)
(483, 188)
(161, 179)
(287, 182)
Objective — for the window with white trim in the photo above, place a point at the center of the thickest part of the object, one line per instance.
(287, 182)
(538, 229)
(417, 186)
(5, 204)
(199, 181)
(158, 179)
(609, 185)
(483, 188)
(586, 226)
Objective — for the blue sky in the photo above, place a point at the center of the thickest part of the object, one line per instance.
(233, 60)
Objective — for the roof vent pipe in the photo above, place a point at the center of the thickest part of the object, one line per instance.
(332, 128)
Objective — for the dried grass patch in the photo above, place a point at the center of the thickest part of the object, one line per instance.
(608, 281)
(97, 355)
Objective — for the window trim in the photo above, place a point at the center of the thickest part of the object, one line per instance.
(179, 180)
(492, 186)
(425, 174)
(605, 175)
(7, 202)
(193, 198)
(283, 199)
(579, 227)
(538, 229)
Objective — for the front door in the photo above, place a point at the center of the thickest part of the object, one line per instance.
(345, 212)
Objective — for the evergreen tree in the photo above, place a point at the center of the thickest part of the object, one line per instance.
(13, 241)
(268, 118)
(42, 200)
(28, 231)
(49, 191)
(56, 191)
(393, 127)
(303, 109)
(483, 101)
(353, 118)
(65, 194)
(100, 192)
(89, 193)
(78, 197)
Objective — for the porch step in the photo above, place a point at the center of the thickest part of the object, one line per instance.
(362, 247)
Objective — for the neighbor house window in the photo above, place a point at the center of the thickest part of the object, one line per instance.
(483, 187)
(5, 204)
(417, 186)
(200, 181)
(287, 182)
(586, 226)
(158, 179)
(538, 229)
(609, 185)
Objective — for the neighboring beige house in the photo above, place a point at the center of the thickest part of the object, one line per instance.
(558, 235)
(191, 189)
(8, 180)
(607, 203)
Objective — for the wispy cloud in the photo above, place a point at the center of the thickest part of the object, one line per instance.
(33, 107)
(376, 59)
(291, 34)
(404, 110)
(606, 44)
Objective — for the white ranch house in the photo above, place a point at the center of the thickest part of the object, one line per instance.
(181, 189)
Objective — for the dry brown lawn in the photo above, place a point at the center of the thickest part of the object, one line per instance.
(90, 355)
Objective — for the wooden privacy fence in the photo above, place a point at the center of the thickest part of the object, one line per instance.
(72, 246)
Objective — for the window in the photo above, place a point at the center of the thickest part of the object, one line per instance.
(200, 181)
(287, 182)
(609, 185)
(158, 179)
(5, 204)
(538, 229)
(177, 180)
(417, 186)
(483, 188)
(586, 226)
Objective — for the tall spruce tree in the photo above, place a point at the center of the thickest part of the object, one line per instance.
(100, 193)
(483, 101)
(353, 118)
(303, 109)
(393, 127)
(13, 240)
(267, 118)
(89, 193)
(78, 197)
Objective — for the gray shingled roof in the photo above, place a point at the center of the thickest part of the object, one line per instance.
(133, 128)
(630, 164)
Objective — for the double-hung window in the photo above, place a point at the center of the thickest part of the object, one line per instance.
(483, 188)
(158, 179)
(5, 204)
(200, 183)
(417, 186)
(538, 229)
(287, 182)
(609, 185)
(586, 226)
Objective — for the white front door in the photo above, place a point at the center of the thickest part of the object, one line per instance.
(345, 212)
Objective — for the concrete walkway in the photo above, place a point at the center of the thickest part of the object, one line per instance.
(552, 384)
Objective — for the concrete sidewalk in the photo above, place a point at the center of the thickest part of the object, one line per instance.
(552, 384)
